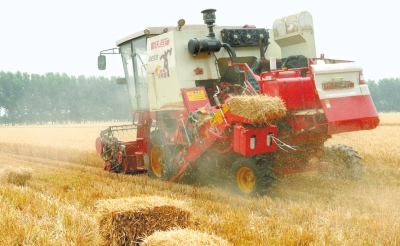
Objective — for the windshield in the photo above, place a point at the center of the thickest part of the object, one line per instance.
(141, 55)
(134, 56)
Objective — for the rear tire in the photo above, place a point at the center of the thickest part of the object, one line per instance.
(342, 163)
(252, 175)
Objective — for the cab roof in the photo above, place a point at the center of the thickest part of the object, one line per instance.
(160, 29)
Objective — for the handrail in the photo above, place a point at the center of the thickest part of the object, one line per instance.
(246, 69)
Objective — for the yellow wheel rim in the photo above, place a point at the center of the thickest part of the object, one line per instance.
(157, 159)
(246, 180)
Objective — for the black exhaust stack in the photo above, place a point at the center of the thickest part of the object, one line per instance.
(210, 44)
(209, 19)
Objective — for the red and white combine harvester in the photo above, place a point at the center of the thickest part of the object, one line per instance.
(183, 81)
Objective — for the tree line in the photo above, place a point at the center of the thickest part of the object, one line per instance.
(386, 94)
(59, 98)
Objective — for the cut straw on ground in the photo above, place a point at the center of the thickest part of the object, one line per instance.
(185, 237)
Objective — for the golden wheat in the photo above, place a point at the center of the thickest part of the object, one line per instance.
(57, 206)
(186, 237)
(72, 136)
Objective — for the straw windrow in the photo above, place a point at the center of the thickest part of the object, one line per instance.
(260, 109)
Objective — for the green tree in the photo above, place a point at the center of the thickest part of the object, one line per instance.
(390, 95)
(375, 94)
(59, 98)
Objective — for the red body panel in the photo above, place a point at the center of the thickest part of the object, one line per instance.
(130, 163)
(297, 93)
(309, 122)
(197, 148)
(242, 137)
(353, 113)
(195, 98)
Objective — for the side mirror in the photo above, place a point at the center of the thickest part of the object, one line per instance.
(120, 81)
(101, 62)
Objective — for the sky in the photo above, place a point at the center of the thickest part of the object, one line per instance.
(66, 36)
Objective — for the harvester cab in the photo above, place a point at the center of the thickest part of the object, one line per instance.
(255, 101)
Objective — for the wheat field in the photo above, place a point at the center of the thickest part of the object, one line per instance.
(57, 206)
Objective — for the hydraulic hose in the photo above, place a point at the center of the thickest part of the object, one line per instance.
(232, 54)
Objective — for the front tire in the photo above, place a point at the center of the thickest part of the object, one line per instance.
(252, 175)
(343, 163)
(158, 156)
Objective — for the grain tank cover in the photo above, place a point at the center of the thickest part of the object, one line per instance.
(293, 23)
(295, 34)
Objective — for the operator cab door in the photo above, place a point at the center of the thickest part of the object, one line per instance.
(134, 57)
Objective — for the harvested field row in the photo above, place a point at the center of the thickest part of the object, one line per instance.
(79, 137)
(390, 118)
(57, 206)
(183, 237)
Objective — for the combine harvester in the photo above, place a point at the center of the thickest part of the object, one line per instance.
(256, 101)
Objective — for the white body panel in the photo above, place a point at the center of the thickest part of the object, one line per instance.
(165, 79)
(169, 65)
(338, 72)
